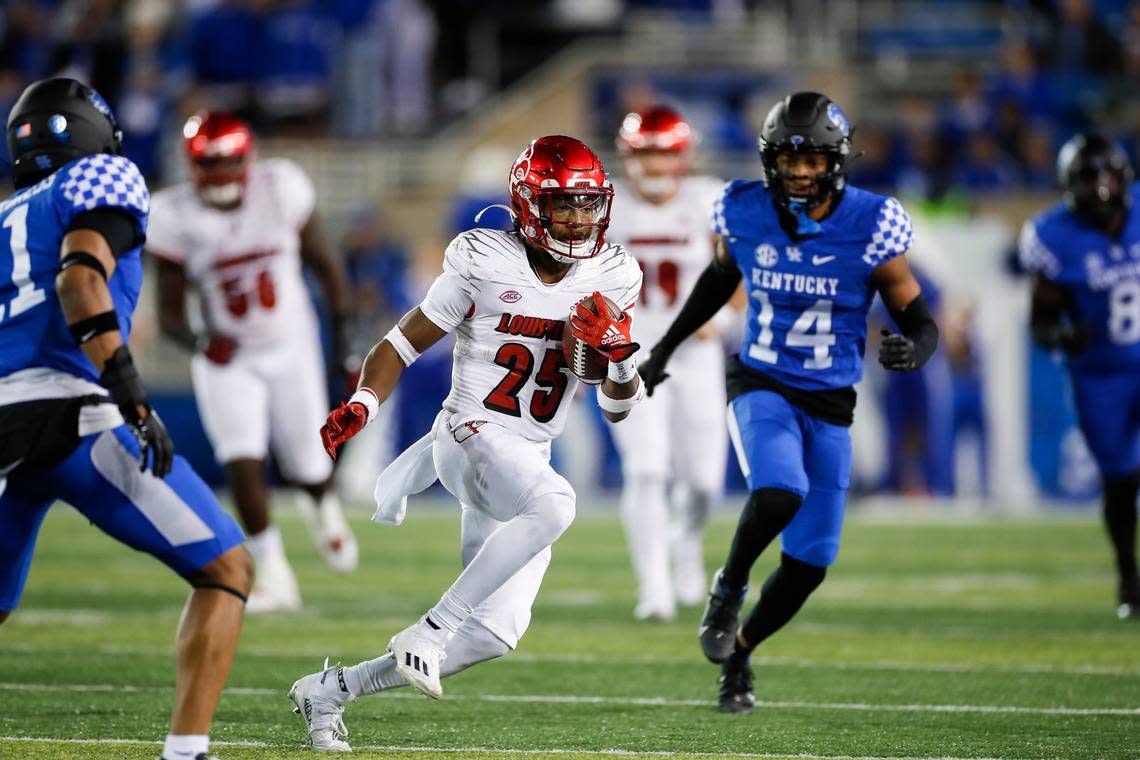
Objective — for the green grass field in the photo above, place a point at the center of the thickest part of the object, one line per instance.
(930, 639)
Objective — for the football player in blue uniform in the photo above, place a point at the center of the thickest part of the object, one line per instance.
(75, 423)
(1084, 254)
(812, 252)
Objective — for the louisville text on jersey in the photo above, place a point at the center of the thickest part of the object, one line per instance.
(530, 327)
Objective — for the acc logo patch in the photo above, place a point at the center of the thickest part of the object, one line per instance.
(766, 255)
(510, 296)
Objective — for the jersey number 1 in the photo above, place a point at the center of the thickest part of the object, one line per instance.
(821, 341)
(27, 295)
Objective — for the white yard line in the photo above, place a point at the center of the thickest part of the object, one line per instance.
(563, 699)
(596, 659)
(499, 751)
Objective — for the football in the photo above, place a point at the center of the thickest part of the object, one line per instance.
(588, 364)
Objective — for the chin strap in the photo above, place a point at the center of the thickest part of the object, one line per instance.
(805, 225)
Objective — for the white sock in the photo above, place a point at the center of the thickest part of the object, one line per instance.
(266, 545)
(185, 746)
(645, 515)
(471, 644)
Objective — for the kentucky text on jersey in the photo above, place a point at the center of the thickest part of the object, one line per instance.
(809, 295)
(795, 283)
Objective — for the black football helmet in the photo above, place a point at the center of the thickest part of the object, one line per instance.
(806, 122)
(54, 122)
(1097, 178)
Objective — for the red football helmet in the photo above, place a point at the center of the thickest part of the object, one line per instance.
(656, 148)
(561, 197)
(219, 147)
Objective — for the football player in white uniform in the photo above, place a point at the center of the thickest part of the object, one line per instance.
(506, 296)
(238, 235)
(672, 449)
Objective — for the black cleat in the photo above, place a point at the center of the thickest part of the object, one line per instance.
(735, 687)
(718, 626)
(199, 756)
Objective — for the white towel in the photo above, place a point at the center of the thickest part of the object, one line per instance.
(411, 472)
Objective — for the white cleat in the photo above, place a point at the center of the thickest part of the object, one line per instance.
(275, 589)
(660, 612)
(418, 650)
(320, 699)
(330, 532)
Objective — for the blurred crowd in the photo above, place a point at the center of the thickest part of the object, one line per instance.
(1065, 66)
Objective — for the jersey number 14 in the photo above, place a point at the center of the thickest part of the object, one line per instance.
(27, 294)
(817, 317)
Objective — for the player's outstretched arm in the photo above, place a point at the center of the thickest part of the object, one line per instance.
(1051, 321)
(903, 297)
(87, 261)
(713, 290)
(382, 368)
(327, 263)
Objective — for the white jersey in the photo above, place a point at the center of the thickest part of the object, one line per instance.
(672, 243)
(245, 264)
(508, 324)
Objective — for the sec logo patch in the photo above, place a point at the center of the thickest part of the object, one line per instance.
(766, 255)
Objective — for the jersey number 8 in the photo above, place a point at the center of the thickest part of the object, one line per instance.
(1124, 313)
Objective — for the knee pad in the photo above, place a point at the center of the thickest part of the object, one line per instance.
(800, 575)
(775, 505)
(552, 514)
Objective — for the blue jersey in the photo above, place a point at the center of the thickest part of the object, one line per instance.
(809, 296)
(1101, 273)
(33, 222)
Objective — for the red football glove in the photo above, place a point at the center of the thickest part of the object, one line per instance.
(343, 422)
(220, 349)
(608, 335)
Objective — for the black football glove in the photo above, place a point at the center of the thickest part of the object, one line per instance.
(122, 379)
(896, 352)
(652, 370)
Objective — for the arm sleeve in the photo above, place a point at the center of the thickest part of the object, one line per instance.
(1034, 255)
(116, 226)
(297, 195)
(103, 181)
(916, 323)
(451, 298)
(891, 235)
(713, 289)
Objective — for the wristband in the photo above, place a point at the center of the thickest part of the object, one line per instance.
(87, 328)
(619, 405)
(367, 398)
(404, 348)
(624, 371)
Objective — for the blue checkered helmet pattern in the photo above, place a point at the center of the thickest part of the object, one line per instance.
(104, 180)
(892, 235)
